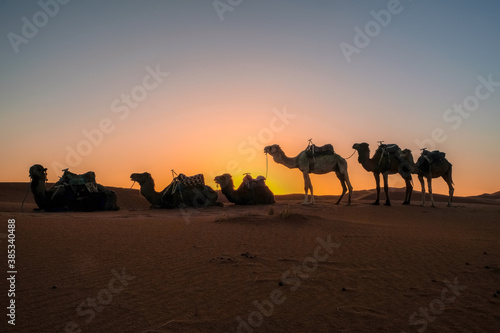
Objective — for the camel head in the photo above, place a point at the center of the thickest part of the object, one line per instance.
(141, 178)
(272, 150)
(38, 172)
(363, 146)
(224, 180)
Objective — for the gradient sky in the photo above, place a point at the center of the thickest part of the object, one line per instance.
(225, 77)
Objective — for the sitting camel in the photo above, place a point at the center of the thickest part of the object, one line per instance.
(175, 195)
(71, 193)
(250, 192)
(431, 165)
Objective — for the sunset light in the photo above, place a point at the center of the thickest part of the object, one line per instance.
(169, 85)
(249, 166)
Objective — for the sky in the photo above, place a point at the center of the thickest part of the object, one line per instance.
(203, 86)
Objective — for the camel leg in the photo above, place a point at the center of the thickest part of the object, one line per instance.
(448, 181)
(345, 180)
(451, 191)
(349, 186)
(311, 189)
(422, 185)
(386, 189)
(377, 183)
(307, 187)
(344, 187)
(410, 185)
(409, 191)
(429, 185)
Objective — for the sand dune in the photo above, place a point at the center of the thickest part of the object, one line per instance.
(280, 268)
(12, 194)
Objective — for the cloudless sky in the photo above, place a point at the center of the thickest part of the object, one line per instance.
(229, 68)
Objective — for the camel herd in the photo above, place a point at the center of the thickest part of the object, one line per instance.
(387, 159)
(81, 192)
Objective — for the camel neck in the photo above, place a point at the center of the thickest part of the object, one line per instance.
(228, 187)
(289, 162)
(369, 164)
(148, 191)
(39, 193)
(230, 193)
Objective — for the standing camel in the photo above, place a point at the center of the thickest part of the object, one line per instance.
(319, 164)
(431, 165)
(385, 163)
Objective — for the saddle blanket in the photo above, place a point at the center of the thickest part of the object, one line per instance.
(195, 180)
(85, 180)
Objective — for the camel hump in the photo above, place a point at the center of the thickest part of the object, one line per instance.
(254, 182)
(313, 150)
(390, 149)
(433, 156)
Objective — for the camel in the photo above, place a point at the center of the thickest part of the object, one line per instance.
(383, 163)
(174, 196)
(430, 167)
(320, 164)
(250, 192)
(65, 197)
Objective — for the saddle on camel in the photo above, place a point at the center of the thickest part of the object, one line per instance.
(433, 156)
(72, 192)
(188, 191)
(80, 184)
(313, 151)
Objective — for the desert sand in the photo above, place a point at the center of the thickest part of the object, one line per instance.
(280, 268)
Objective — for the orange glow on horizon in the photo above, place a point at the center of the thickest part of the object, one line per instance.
(184, 157)
(181, 90)
(228, 138)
